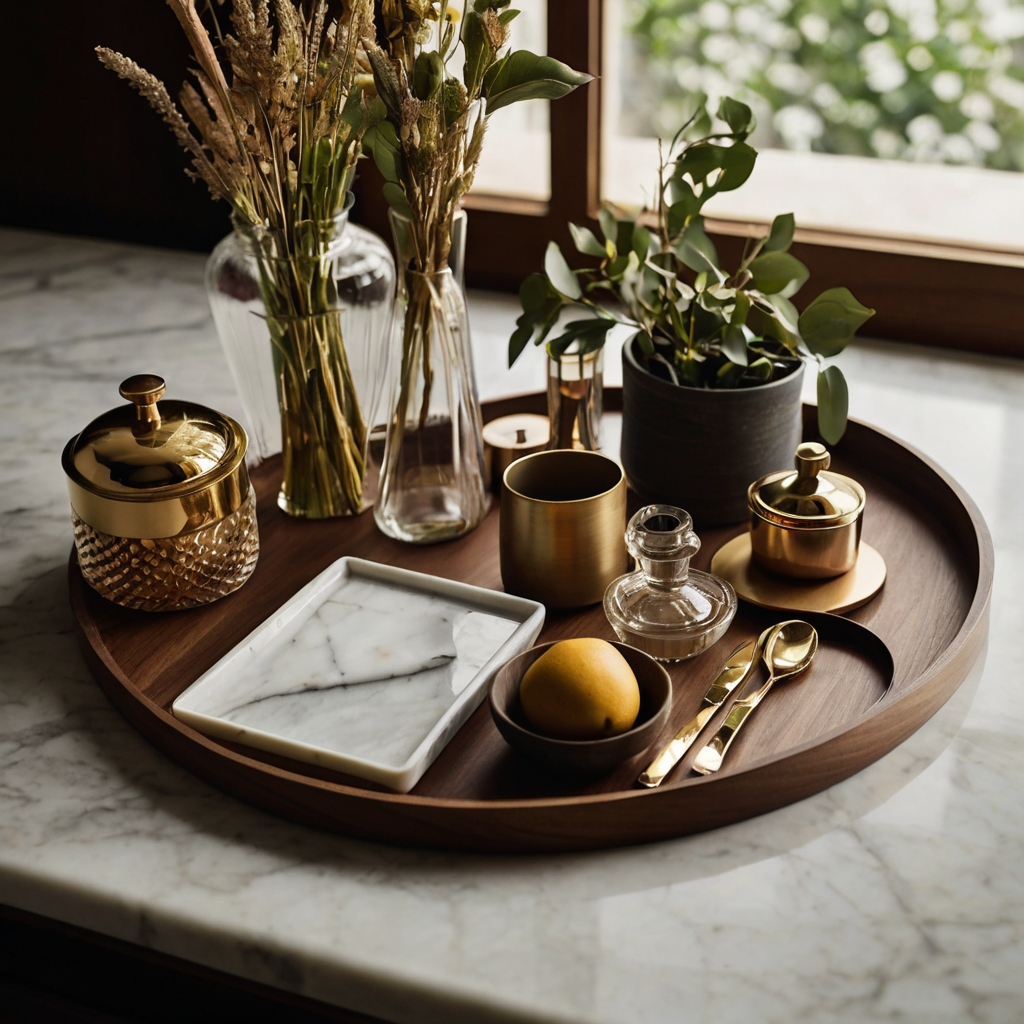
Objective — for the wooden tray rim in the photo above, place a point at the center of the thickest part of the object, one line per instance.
(967, 643)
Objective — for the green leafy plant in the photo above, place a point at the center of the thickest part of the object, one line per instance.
(693, 322)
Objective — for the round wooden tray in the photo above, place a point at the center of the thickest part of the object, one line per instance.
(479, 794)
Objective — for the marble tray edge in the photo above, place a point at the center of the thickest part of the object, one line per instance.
(529, 614)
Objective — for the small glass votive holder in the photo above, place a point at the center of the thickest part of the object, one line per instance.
(576, 400)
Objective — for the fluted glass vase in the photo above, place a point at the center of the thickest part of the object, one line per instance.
(304, 323)
(432, 481)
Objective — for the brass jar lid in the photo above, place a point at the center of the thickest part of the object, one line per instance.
(810, 498)
(153, 468)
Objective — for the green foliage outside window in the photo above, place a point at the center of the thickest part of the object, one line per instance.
(925, 80)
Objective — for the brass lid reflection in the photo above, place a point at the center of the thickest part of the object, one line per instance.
(152, 449)
(810, 497)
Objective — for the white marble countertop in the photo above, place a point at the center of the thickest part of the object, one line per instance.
(897, 896)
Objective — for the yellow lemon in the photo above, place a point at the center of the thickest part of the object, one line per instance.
(580, 689)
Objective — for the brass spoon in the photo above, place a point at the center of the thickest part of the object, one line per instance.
(788, 652)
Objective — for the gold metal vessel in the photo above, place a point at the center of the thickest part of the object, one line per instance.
(163, 510)
(806, 524)
(563, 523)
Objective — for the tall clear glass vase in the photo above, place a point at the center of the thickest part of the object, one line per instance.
(304, 324)
(432, 481)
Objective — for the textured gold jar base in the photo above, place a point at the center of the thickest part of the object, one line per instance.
(172, 573)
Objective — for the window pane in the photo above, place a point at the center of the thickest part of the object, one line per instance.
(516, 159)
(919, 81)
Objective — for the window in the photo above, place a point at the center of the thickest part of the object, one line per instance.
(939, 86)
(935, 276)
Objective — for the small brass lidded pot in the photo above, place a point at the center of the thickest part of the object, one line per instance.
(163, 510)
(806, 524)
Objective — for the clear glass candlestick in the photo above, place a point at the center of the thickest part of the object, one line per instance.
(576, 399)
(665, 608)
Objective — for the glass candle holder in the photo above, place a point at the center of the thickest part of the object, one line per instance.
(575, 399)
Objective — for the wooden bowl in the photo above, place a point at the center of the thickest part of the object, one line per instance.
(583, 757)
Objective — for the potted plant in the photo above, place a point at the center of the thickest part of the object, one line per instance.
(712, 372)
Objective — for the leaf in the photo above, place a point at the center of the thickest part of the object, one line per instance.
(785, 311)
(641, 244)
(688, 205)
(586, 242)
(519, 340)
(737, 165)
(780, 238)
(609, 225)
(352, 113)
(387, 159)
(535, 292)
(831, 320)
(774, 271)
(646, 344)
(738, 116)
(734, 344)
(478, 53)
(387, 135)
(506, 16)
(526, 76)
(697, 251)
(589, 335)
(741, 309)
(427, 75)
(617, 267)
(559, 274)
(699, 161)
(541, 307)
(396, 199)
(760, 370)
(833, 404)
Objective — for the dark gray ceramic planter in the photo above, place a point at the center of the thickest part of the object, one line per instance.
(700, 449)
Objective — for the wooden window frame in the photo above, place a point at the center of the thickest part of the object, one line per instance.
(946, 295)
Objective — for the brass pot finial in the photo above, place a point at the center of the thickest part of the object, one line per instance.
(145, 390)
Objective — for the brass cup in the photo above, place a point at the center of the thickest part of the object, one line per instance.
(563, 524)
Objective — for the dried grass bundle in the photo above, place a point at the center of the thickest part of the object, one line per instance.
(274, 126)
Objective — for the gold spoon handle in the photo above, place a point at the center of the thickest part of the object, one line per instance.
(713, 753)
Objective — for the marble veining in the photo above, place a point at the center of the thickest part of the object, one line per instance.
(896, 897)
(365, 673)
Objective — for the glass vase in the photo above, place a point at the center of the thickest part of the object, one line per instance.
(306, 338)
(576, 399)
(432, 481)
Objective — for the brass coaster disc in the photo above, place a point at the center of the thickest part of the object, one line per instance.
(733, 562)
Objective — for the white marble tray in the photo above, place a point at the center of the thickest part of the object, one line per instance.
(369, 670)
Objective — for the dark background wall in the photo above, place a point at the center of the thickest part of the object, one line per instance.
(81, 152)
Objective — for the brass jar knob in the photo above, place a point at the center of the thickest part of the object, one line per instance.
(144, 390)
(811, 458)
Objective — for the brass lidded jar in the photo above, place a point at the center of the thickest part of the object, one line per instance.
(806, 524)
(163, 510)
